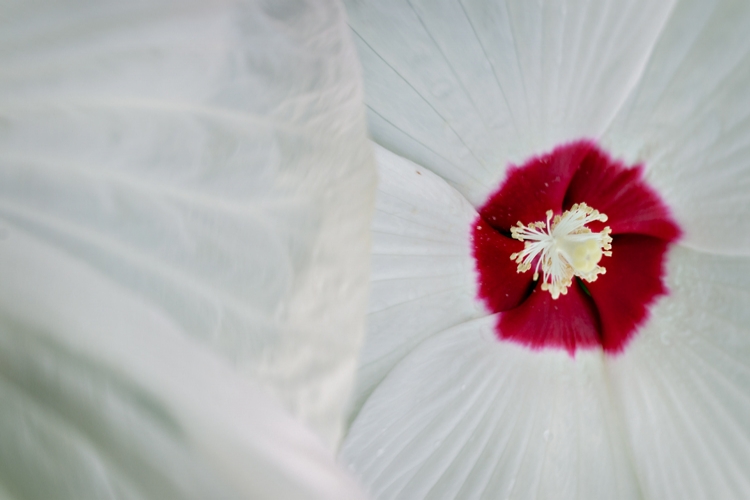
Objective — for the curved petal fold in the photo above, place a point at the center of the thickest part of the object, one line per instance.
(423, 278)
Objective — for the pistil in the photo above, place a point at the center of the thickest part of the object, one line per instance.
(563, 247)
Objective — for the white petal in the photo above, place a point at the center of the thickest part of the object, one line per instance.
(465, 416)
(423, 278)
(464, 87)
(688, 119)
(104, 396)
(683, 384)
(209, 157)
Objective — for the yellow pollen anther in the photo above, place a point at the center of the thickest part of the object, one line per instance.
(563, 247)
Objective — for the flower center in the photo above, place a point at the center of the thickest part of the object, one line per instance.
(551, 306)
(563, 247)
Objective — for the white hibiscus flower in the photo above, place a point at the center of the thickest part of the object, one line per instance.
(451, 406)
(185, 194)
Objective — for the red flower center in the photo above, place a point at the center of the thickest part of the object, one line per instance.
(542, 250)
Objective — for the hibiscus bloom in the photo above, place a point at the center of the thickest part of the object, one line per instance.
(185, 198)
(462, 97)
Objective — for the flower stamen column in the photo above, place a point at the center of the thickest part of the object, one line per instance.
(563, 247)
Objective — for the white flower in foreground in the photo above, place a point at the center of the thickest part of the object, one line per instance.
(185, 194)
(448, 404)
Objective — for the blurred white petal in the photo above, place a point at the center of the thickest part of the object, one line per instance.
(210, 158)
(185, 194)
(105, 396)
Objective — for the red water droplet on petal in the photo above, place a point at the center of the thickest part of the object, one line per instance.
(605, 313)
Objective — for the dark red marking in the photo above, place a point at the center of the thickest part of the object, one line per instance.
(632, 283)
(503, 288)
(621, 193)
(609, 312)
(569, 323)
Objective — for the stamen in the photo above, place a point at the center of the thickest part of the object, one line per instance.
(563, 247)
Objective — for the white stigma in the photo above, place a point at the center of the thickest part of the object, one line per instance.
(563, 247)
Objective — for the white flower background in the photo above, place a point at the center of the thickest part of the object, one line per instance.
(457, 90)
(186, 231)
